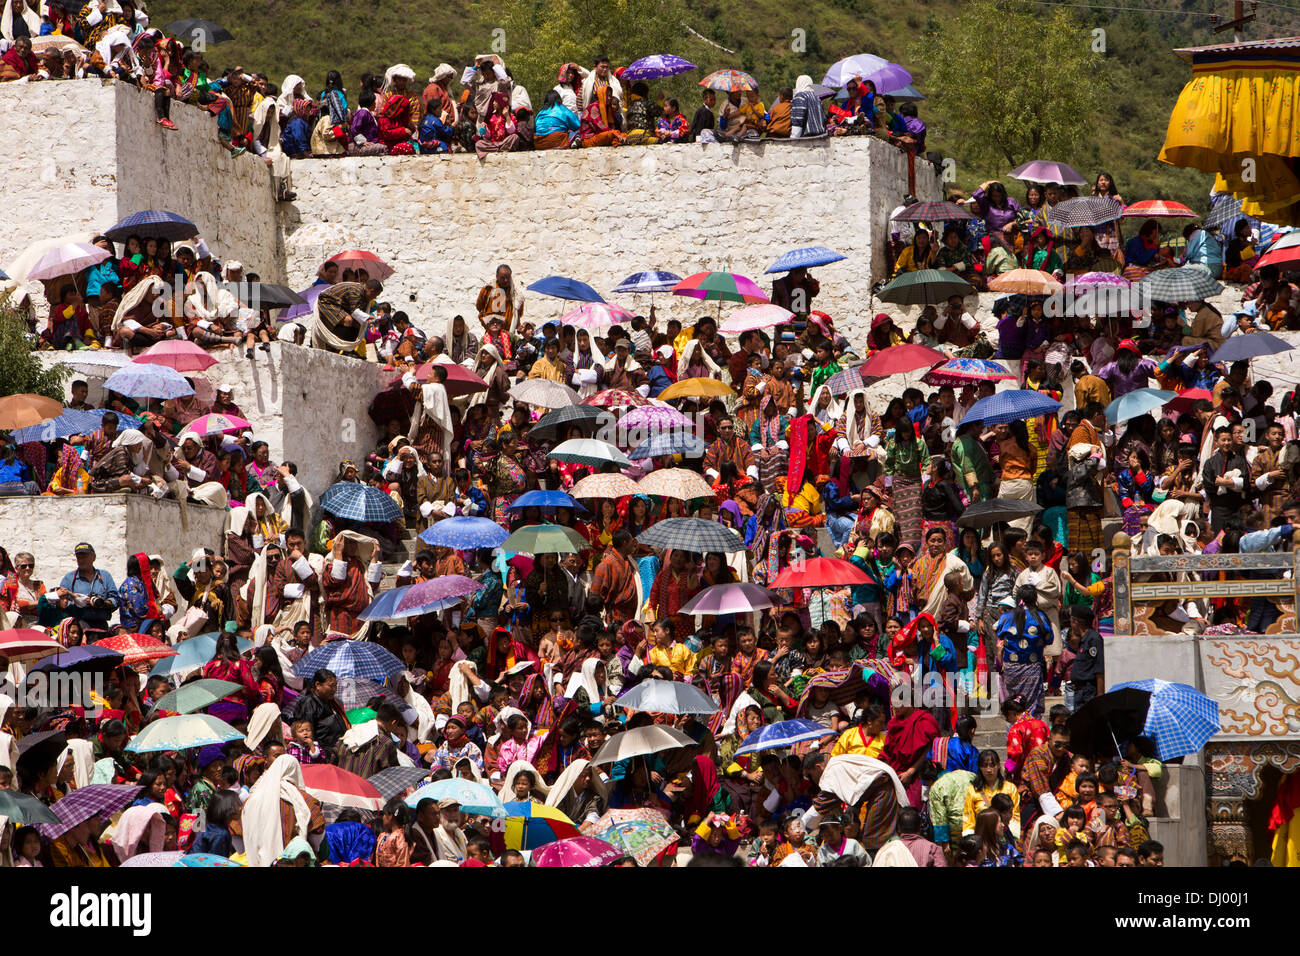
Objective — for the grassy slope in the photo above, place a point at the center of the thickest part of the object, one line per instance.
(1142, 75)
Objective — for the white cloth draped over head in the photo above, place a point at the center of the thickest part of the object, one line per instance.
(803, 84)
(833, 410)
(464, 340)
(519, 99)
(507, 790)
(8, 745)
(503, 716)
(586, 679)
(397, 71)
(1170, 517)
(237, 520)
(855, 433)
(208, 300)
(433, 405)
(684, 362)
(263, 839)
(134, 825)
(494, 368)
(459, 688)
(587, 389)
(284, 102)
(31, 17)
(265, 119)
(82, 754)
(565, 781)
(136, 296)
(1031, 838)
(849, 776)
(401, 466)
(264, 719)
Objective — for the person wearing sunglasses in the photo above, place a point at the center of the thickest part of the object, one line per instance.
(20, 592)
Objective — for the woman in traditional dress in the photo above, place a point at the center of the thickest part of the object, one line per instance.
(906, 458)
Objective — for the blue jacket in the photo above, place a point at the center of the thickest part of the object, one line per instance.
(296, 138)
(658, 380)
(557, 119)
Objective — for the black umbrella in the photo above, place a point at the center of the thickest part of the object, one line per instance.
(394, 402)
(82, 659)
(197, 32)
(985, 514)
(39, 751)
(557, 421)
(1098, 726)
(271, 295)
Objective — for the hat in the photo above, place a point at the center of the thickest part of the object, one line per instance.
(622, 344)
(210, 755)
(83, 548)
(444, 71)
(665, 351)
(1128, 344)
(224, 387)
(447, 802)
(1007, 601)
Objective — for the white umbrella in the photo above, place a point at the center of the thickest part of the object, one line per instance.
(667, 697)
(67, 260)
(589, 451)
(544, 393)
(641, 742)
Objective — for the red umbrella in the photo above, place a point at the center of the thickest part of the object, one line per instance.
(900, 358)
(1183, 403)
(618, 398)
(376, 267)
(1286, 256)
(26, 644)
(342, 788)
(460, 380)
(138, 648)
(1157, 209)
(819, 573)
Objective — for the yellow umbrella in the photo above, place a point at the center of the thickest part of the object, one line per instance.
(1025, 281)
(676, 483)
(695, 388)
(22, 411)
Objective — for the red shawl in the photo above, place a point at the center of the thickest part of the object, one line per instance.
(798, 453)
(146, 580)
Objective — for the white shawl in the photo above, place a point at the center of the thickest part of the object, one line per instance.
(284, 102)
(433, 405)
(264, 719)
(565, 781)
(82, 753)
(851, 433)
(263, 841)
(507, 789)
(495, 368)
(684, 362)
(458, 687)
(849, 776)
(464, 340)
(833, 411)
(30, 17)
(136, 296)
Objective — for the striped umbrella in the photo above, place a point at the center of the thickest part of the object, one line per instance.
(1084, 211)
(1157, 209)
(654, 280)
(696, 388)
(959, 371)
(676, 483)
(765, 315)
(96, 799)
(152, 224)
(148, 381)
(361, 259)
(215, 424)
(729, 81)
(347, 658)
(934, 212)
(605, 486)
(615, 398)
(691, 534)
(597, 315)
(544, 393)
(138, 648)
(340, 787)
(177, 355)
(464, 532)
(358, 502)
(437, 590)
(395, 781)
(1025, 282)
(674, 442)
(720, 287)
(545, 539)
(184, 732)
(657, 66)
(588, 451)
(528, 826)
(1184, 284)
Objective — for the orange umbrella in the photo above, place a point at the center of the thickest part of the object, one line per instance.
(21, 411)
(1026, 282)
(695, 387)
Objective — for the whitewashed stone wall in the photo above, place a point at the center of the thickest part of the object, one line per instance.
(445, 222)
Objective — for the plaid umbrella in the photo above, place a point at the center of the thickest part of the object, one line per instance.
(354, 692)
(924, 286)
(196, 695)
(1185, 284)
(22, 808)
(358, 502)
(1239, 348)
(588, 451)
(347, 658)
(605, 486)
(656, 67)
(960, 371)
(674, 442)
(934, 212)
(613, 398)
(845, 381)
(1223, 210)
(544, 393)
(464, 532)
(395, 781)
(676, 483)
(354, 259)
(642, 833)
(1011, 405)
(556, 422)
(1084, 211)
(545, 539)
(97, 799)
(437, 590)
(148, 381)
(804, 258)
(70, 422)
(152, 224)
(473, 797)
(691, 534)
(137, 648)
(729, 81)
(185, 732)
(1157, 209)
(654, 280)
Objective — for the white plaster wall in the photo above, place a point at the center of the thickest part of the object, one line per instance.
(59, 163)
(445, 222)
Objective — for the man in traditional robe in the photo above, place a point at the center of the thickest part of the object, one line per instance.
(728, 447)
(615, 578)
(345, 585)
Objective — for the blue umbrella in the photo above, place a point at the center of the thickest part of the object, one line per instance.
(464, 532)
(1011, 405)
(655, 280)
(204, 860)
(543, 499)
(784, 733)
(669, 443)
(1137, 402)
(148, 381)
(347, 658)
(3, 274)
(71, 422)
(192, 654)
(153, 224)
(1239, 348)
(358, 502)
(84, 658)
(564, 288)
(805, 258)
(473, 797)
(384, 606)
(656, 67)
(1180, 719)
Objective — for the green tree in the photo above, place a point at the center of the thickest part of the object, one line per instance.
(1016, 100)
(21, 372)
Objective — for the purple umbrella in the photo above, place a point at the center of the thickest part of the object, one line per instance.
(1095, 280)
(730, 599)
(657, 67)
(434, 592)
(654, 416)
(1046, 171)
(867, 66)
(301, 311)
(80, 805)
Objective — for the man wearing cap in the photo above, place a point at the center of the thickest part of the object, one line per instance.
(623, 371)
(88, 594)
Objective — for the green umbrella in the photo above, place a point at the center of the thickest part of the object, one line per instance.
(359, 715)
(545, 539)
(924, 287)
(24, 809)
(196, 695)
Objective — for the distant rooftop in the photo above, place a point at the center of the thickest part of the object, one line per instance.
(1286, 47)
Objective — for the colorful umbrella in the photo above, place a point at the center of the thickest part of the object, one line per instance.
(924, 286)
(1084, 211)
(184, 732)
(203, 860)
(783, 733)
(528, 826)
(464, 532)
(544, 393)
(562, 287)
(1137, 402)
(641, 742)
(900, 359)
(357, 502)
(22, 645)
(754, 317)
(1157, 209)
(654, 280)
(67, 260)
(1239, 348)
(720, 287)
(605, 486)
(460, 380)
(543, 498)
(667, 697)
(397, 780)
(579, 851)
(960, 371)
(215, 424)
(1178, 718)
(866, 66)
(1046, 171)
(24, 410)
(1011, 405)
(356, 259)
(1280, 255)
(934, 212)
(597, 315)
(545, 539)
(820, 572)
(191, 654)
(729, 81)
(653, 418)
(677, 441)
(137, 648)
(657, 66)
(806, 257)
(340, 787)
(734, 598)
(473, 797)
(1185, 284)
(195, 695)
(588, 451)
(24, 809)
(436, 590)
(71, 422)
(177, 355)
(615, 398)
(643, 833)
(348, 658)
(696, 388)
(1025, 282)
(96, 799)
(691, 534)
(148, 381)
(676, 483)
(152, 224)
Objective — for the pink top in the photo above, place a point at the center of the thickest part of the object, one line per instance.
(513, 750)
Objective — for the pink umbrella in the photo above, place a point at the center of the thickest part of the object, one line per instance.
(1047, 171)
(376, 267)
(899, 359)
(66, 260)
(1094, 280)
(764, 315)
(735, 598)
(178, 355)
(460, 380)
(576, 851)
(596, 315)
(215, 424)
(437, 590)
(653, 416)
